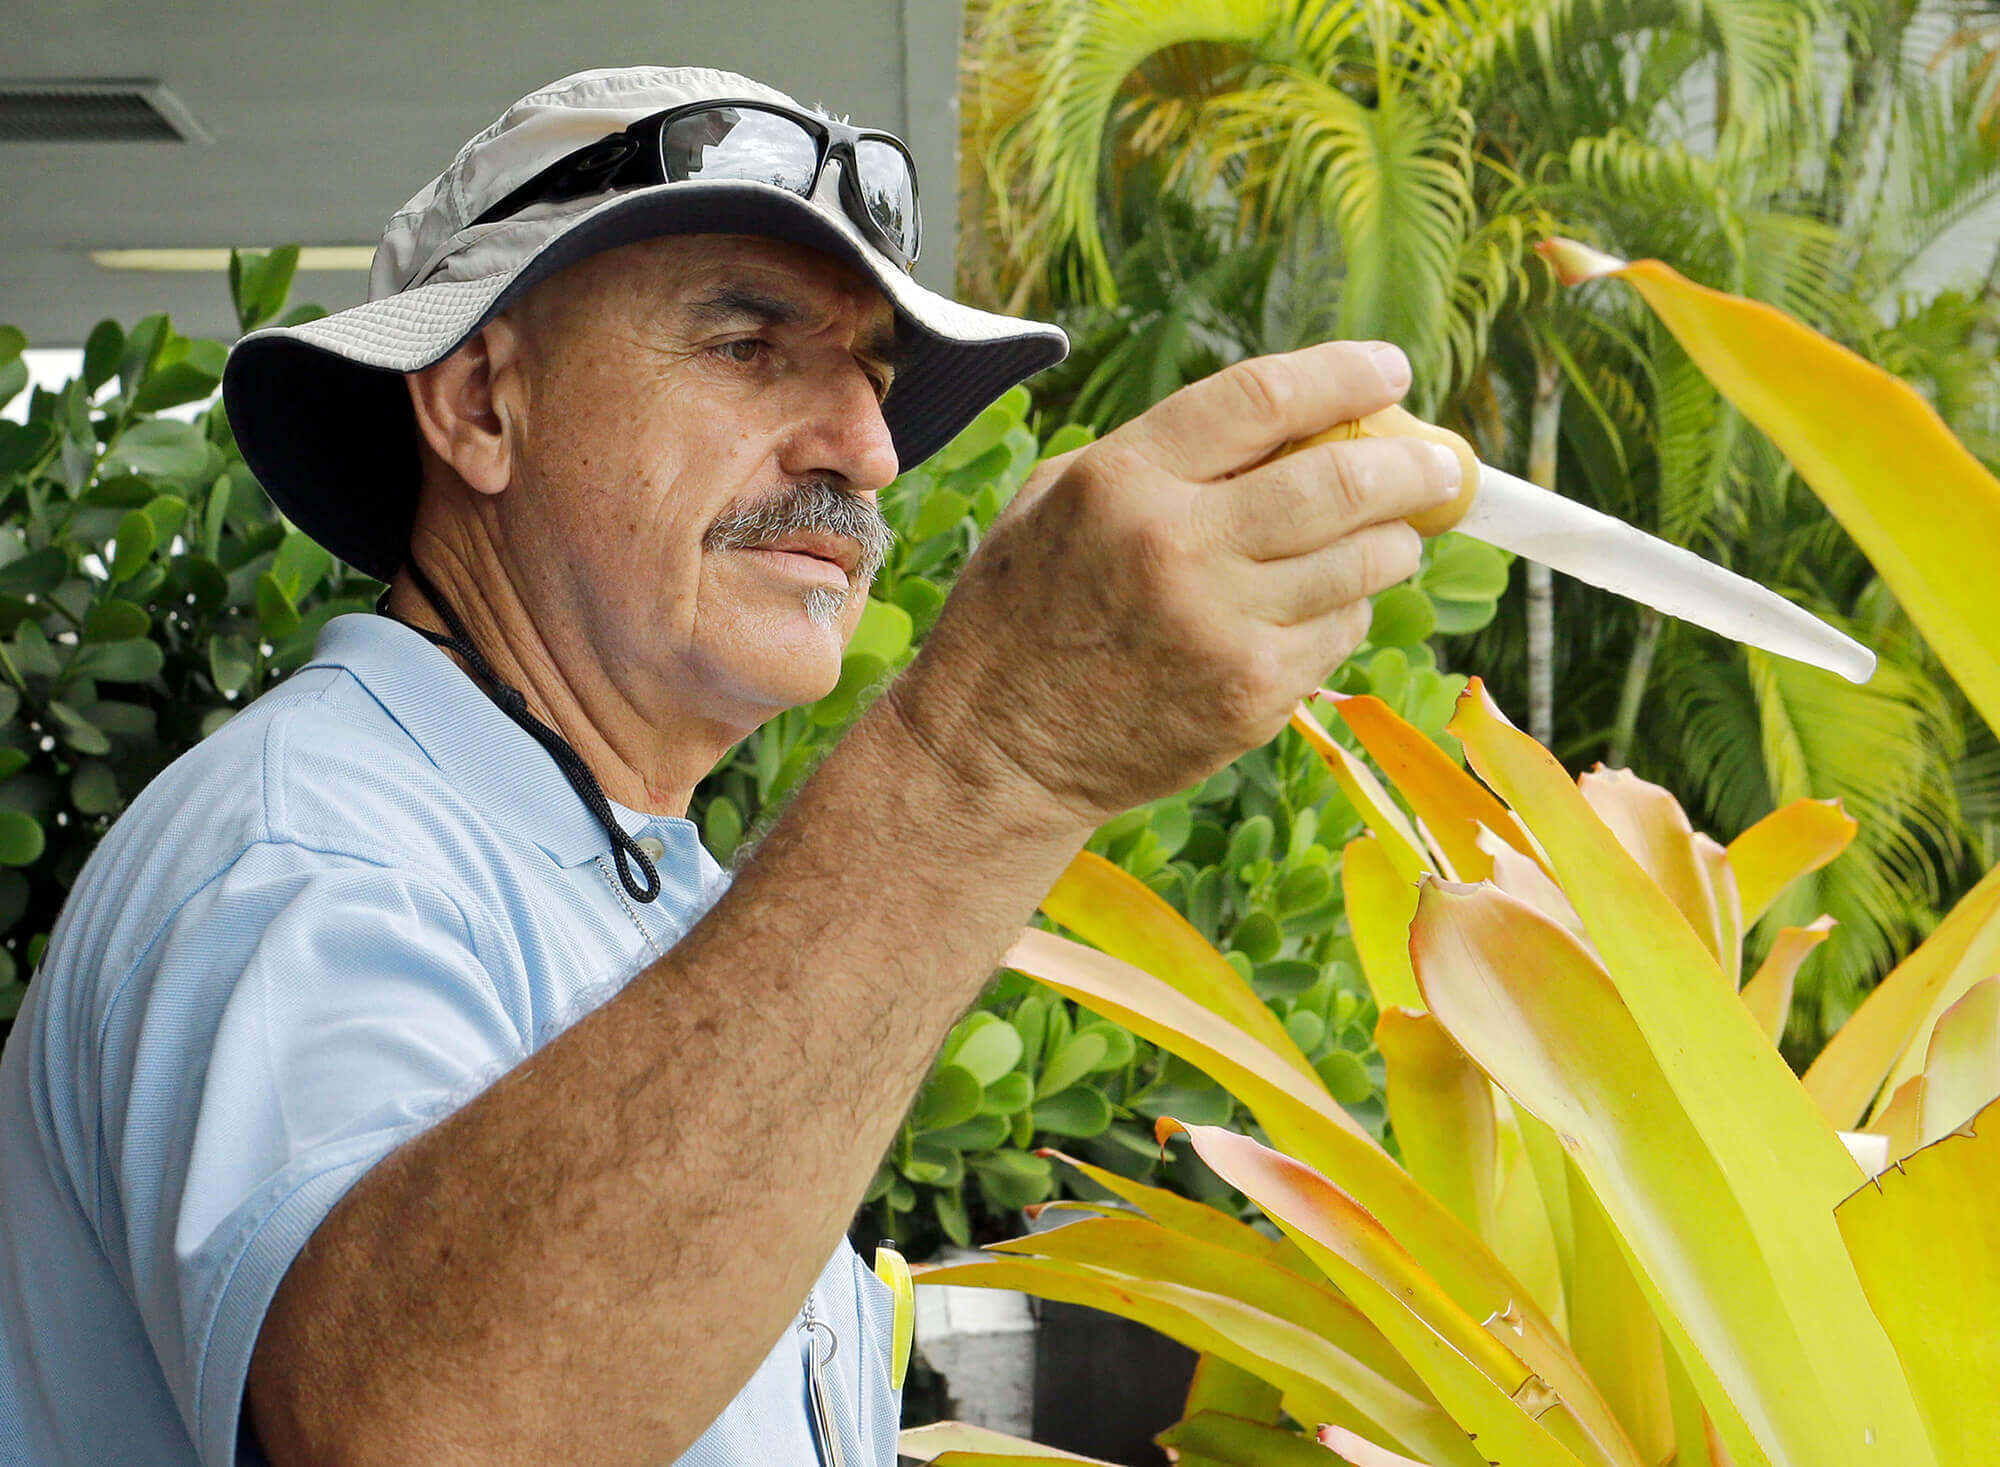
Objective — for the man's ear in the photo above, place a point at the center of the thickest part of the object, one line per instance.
(466, 406)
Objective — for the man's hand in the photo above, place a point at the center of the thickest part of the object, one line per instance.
(1154, 604)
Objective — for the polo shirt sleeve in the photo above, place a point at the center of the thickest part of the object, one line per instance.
(295, 1020)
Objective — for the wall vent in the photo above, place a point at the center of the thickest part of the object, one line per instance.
(140, 111)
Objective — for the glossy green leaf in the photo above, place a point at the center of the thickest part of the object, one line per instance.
(277, 615)
(951, 1095)
(1080, 1111)
(229, 663)
(160, 448)
(941, 510)
(884, 631)
(133, 660)
(136, 539)
(78, 731)
(37, 573)
(21, 838)
(1402, 617)
(93, 789)
(1071, 1063)
(101, 350)
(114, 620)
(986, 1045)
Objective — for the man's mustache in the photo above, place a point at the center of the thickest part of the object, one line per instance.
(808, 506)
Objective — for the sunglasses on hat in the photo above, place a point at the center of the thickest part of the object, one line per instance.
(755, 141)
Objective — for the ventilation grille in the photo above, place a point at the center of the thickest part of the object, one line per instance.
(94, 112)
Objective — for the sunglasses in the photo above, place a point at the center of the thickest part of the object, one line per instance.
(756, 141)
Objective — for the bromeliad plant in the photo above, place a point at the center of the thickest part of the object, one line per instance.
(1622, 1232)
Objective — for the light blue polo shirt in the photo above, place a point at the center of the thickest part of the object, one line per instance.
(358, 903)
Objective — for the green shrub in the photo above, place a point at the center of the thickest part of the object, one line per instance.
(148, 589)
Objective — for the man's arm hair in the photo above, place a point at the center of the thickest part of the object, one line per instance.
(586, 1262)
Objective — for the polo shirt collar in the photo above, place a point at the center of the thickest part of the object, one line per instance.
(492, 760)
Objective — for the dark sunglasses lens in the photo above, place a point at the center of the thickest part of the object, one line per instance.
(739, 142)
(889, 189)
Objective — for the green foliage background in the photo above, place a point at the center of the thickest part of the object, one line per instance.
(149, 589)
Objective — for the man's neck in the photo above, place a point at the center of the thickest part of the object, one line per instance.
(638, 760)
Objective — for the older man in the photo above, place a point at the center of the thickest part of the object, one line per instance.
(404, 1082)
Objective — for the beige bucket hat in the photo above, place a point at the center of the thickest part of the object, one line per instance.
(320, 410)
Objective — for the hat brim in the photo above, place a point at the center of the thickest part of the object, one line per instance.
(323, 418)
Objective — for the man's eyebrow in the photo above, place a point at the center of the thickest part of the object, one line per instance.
(734, 303)
(731, 304)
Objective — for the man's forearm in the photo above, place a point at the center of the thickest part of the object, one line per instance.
(586, 1262)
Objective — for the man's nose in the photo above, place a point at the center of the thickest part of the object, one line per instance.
(846, 435)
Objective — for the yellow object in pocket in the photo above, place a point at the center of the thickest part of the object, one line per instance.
(894, 1270)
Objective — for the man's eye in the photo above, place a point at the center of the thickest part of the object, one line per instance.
(747, 350)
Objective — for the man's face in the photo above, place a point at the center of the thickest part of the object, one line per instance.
(685, 408)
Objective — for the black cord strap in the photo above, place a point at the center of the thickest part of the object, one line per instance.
(624, 849)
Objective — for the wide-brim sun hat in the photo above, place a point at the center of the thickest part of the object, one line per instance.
(320, 409)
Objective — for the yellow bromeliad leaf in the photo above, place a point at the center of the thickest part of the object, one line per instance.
(1887, 1037)
(1219, 1388)
(1184, 1215)
(1922, 1236)
(1380, 902)
(1112, 909)
(1453, 806)
(1653, 828)
(1729, 924)
(1351, 1449)
(1962, 1072)
(1792, 841)
(1441, 1105)
(1902, 1118)
(1304, 1120)
(1780, 1341)
(1148, 1251)
(1515, 1417)
(959, 1444)
(1298, 1116)
(1611, 1325)
(1315, 1375)
(1233, 1441)
(1400, 842)
(1536, 1239)
(1520, 877)
(1768, 994)
(1920, 506)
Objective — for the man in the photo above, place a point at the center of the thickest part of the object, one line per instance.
(402, 1084)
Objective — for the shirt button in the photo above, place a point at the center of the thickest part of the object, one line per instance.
(654, 849)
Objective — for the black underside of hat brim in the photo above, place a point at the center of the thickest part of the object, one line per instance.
(335, 443)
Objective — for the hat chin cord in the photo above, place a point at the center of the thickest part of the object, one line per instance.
(625, 851)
